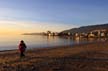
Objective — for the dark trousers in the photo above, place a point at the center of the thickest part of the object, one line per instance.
(22, 54)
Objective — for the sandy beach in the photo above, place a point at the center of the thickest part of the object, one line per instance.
(82, 57)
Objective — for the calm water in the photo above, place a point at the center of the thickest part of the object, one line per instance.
(9, 42)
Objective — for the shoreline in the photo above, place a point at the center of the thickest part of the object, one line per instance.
(59, 46)
(52, 47)
(82, 57)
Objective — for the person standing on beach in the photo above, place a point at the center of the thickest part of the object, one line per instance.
(22, 48)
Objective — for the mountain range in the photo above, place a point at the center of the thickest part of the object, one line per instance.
(86, 29)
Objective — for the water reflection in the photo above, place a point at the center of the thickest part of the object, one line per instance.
(77, 40)
(11, 41)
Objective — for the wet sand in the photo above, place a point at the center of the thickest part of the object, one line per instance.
(82, 57)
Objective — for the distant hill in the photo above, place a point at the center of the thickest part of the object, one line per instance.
(86, 29)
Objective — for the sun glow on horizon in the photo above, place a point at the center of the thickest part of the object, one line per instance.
(19, 27)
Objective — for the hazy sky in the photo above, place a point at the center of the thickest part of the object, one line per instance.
(18, 16)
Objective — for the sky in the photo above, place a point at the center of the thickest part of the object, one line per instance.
(21, 16)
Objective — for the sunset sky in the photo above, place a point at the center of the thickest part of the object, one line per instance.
(19, 16)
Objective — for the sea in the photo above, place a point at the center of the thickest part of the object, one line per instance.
(11, 42)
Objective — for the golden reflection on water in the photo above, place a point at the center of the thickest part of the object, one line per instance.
(12, 41)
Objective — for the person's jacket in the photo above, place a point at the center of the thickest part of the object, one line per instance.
(22, 47)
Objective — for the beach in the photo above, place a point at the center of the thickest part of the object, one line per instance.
(82, 57)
